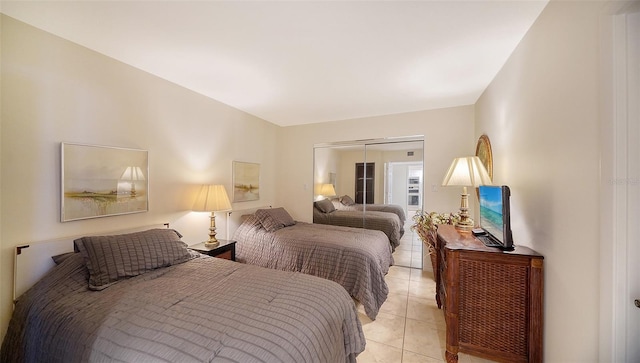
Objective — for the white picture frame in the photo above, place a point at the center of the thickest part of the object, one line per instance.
(101, 181)
(246, 181)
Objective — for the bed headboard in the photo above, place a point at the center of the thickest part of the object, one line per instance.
(235, 218)
(33, 260)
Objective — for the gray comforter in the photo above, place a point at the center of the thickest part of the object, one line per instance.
(389, 208)
(389, 223)
(357, 259)
(203, 310)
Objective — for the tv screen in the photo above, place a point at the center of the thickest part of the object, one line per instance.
(495, 217)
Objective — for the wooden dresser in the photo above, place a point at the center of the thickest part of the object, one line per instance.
(492, 300)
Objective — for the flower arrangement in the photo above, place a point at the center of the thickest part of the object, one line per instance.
(426, 225)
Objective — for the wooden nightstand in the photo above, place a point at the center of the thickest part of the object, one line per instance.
(226, 249)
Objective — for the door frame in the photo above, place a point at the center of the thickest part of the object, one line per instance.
(616, 179)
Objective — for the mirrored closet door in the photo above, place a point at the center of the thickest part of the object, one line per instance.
(381, 176)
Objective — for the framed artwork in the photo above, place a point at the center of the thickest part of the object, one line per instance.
(483, 152)
(100, 181)
(246, 181)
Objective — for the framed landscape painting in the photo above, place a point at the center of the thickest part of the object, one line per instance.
(246, 181)
(100, 181)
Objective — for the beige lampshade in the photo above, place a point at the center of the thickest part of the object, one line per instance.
(327, 190)
(467, 172)
(212, 198)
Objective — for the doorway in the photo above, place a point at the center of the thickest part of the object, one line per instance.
(403, 186)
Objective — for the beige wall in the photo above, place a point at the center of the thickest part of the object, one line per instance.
(55, 91)
(541, 113)
(448, 133)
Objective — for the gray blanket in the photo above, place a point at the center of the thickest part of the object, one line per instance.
(203, 310)
(389, 223)
(357, 259)
(389, 208)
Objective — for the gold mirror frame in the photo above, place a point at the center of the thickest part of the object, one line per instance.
(483, 152)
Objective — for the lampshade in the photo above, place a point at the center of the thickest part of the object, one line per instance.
(327, 190)
(212, 198)
(132, 173)
(466, 172)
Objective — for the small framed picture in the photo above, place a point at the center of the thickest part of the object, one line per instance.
(246, 181)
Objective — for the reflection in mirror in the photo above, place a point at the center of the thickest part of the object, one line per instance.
(367, 180)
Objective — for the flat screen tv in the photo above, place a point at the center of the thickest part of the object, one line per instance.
(495, 216)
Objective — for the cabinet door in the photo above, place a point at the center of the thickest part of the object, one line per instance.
(494, 306)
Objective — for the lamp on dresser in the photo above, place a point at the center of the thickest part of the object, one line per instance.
(212, 198)
(466, 172)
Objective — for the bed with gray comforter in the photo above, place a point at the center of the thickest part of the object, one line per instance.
(357, 259)
(194, 308)
(325, 213)
(346, 203)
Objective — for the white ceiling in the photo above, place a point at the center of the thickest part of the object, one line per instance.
(298, 62)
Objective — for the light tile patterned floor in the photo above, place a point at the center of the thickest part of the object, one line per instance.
(409, 253)
(409, 327)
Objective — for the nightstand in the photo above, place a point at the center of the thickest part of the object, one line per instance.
(226, 249)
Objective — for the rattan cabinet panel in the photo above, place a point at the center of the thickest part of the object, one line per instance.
(492, 299)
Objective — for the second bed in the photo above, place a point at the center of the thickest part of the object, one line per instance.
(357, 259)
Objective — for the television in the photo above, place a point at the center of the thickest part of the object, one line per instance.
(495, 217)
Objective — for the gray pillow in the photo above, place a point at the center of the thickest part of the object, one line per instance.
(111, 258)
(274, 218)
(346, 200)
(58, 259)
(325, 206)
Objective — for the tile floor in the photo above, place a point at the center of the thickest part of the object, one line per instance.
(409, 253)
(409, 327)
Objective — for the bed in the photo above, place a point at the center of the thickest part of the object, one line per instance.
(164, 302)
(325, 213)
(357, 259)
(345, 202)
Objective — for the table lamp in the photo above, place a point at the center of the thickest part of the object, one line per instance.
(327, 190)
(466, 172)
(212, 198)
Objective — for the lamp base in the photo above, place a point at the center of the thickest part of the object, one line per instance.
(465, 227)
(465, 223)
(213, 241)
(211, 244)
